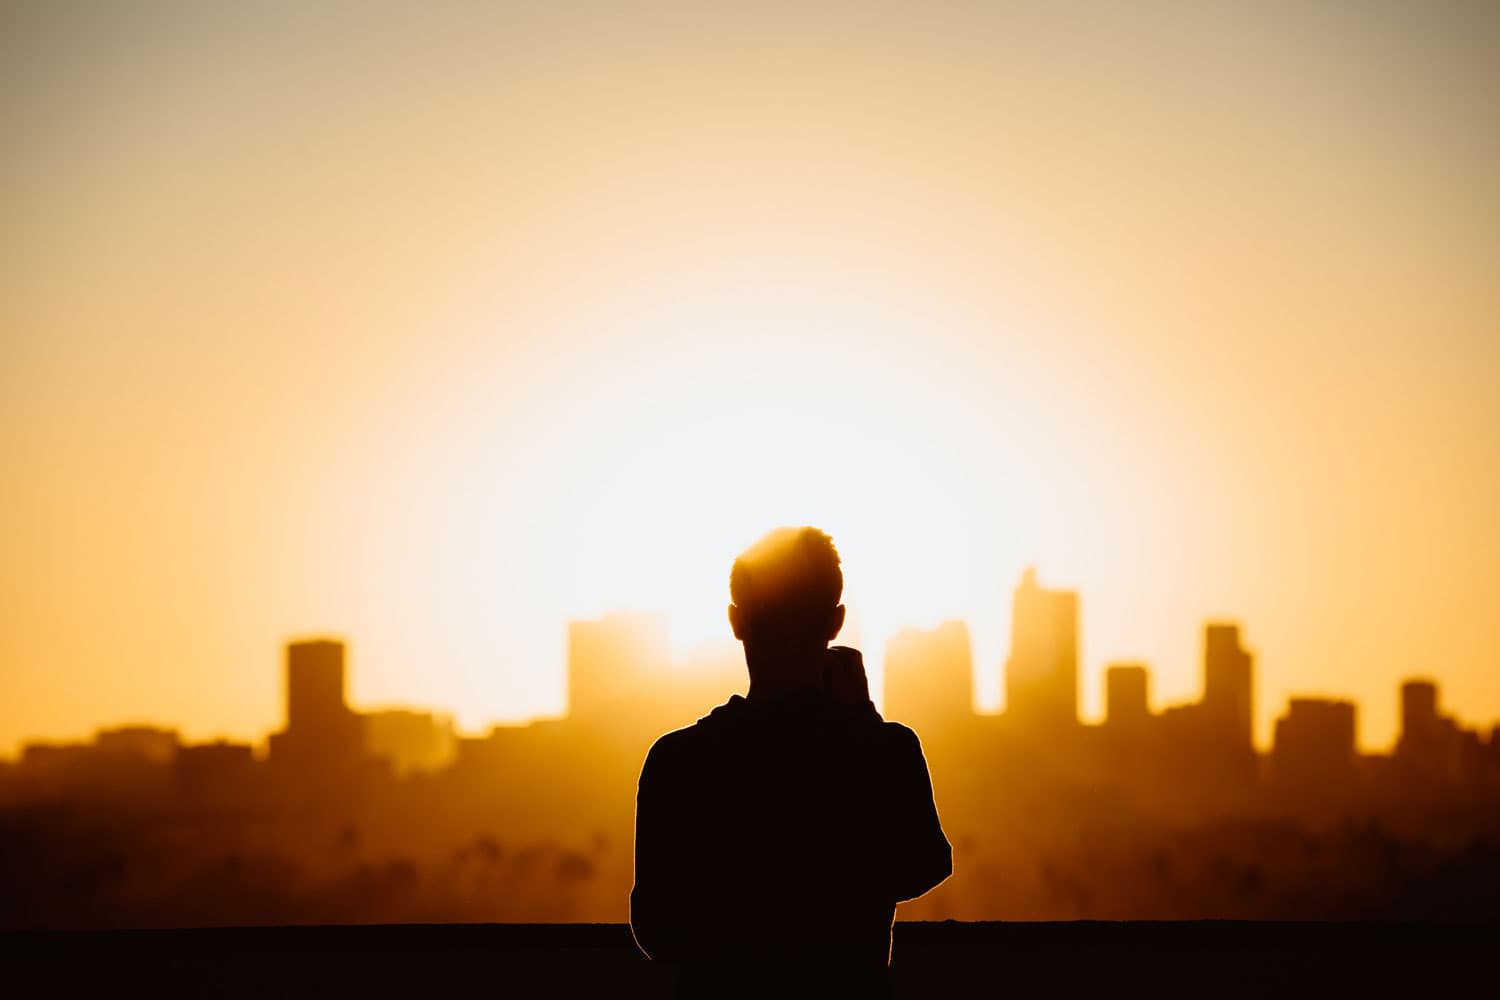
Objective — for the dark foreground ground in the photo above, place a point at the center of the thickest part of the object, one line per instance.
(599, 960)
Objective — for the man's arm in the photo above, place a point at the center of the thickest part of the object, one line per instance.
(655, 902)
(922, 857)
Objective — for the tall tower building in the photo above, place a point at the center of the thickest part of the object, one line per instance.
(1126, 695)
(322, 732)
(1419, 712)
(929, 679)
(1227, 689)
(1041, 677)
(314, 685)
(1314, 746)
(615, 664)
(1428, 747)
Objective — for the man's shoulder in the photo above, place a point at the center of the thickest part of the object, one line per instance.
(690, 740)
(677, 743)
(899, 737)
(898, 733)
(693, 742)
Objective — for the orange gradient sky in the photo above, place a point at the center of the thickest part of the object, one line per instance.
(434, 329)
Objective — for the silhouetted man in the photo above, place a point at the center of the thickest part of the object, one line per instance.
(775, 836)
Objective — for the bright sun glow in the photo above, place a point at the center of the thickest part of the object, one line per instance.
(438, 337)
(737, 402)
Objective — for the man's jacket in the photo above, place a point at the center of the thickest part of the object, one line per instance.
(780, 836)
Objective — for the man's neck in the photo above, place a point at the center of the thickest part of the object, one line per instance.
(779, 673)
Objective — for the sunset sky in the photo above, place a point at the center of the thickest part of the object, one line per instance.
(436, 325)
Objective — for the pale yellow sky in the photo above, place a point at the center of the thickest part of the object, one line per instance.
(436, 328)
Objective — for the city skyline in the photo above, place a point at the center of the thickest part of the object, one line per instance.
(355, 815)
(439, 326)
(1042, 674)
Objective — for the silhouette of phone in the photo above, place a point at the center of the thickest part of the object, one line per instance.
(844, 679)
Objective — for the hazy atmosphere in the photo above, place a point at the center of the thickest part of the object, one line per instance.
(436, 330)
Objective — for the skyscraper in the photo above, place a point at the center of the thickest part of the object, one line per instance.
(1126, 694)
(613, 663)
(320, 727)
(1227, 689)
(929, 679)
(1419, 712)
(314, 684)
(1041, 677)
(1428, 749)
(1314, 748)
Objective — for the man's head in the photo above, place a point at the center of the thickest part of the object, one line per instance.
(786, 590)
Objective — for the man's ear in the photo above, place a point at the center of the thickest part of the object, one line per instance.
(737, 621)
(836, 623)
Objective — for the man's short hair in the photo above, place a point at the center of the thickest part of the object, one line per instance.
(789, 572)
